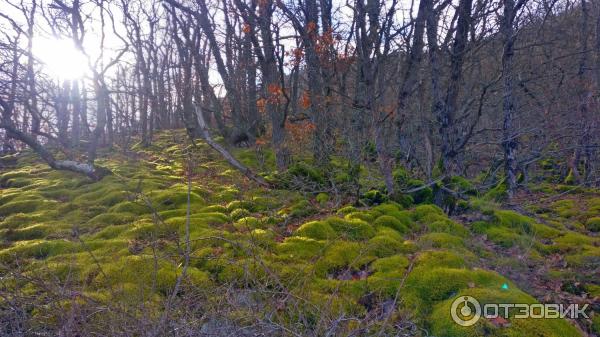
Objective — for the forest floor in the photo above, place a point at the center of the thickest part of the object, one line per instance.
(81, 258)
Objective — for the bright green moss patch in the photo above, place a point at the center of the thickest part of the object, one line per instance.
(259, 242)
(447, 226)
(383, 246)
(441, 240)
(319, 230)
(353, 229)
(214, 208)
(364, 216)
(168, 199)
(391, 222)
(442, 324)
(39, 249)
(28, 233)
(108, 219)
(322, 198)
(248, 223)
(572, 242)
(239, 213)
(565, 208)
(346, 210)
(387, 208)
(295, 248)
(514, 220)
(423, 211)
(503, 237)
(25, 206)
(339, 256)
(545, 232)
(137, 208)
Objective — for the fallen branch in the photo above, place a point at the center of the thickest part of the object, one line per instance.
(205, 134)
(88, 169)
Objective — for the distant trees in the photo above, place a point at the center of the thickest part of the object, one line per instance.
(443, 87)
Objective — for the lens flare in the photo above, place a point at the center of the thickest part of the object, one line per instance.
(60, 58)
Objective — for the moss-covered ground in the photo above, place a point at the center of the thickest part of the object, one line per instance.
(304, 263)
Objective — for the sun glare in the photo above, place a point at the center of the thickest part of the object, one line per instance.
(60, 58)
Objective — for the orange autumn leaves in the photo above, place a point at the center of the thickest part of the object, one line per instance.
(275, 96)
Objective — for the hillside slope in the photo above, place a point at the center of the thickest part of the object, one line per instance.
(80, 258)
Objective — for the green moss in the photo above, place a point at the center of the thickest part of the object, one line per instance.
(545, 232)
(214, 208)
(498, 193)
(439, 258)
(391, 222)
(243, 204)
(149, 231)
(137, 208)
(392, 263)
(589, 256)
(248, 223)
(387, 208)
(374, 197)
(39, 249)
(110, 232)
(171, 199)
(423, 211)
(346, 210)
(431, 285)
(305, 171)
(441, 240)
(339, 256)
(239, 213)
(565, 208)
(596, 324)
(383, 246)
(593, 224)
(353, 229)
(227, 194)
(322, 198)
(573, 242)
(303, 248)
(21, 219)
(319, 230)
(447, 226)
(364, 216)
(300, 209)
(514, 220)
(28, 233)
(28, 206)
(443, 325)
(504, 237)
(463, 186)
(108, 219)
(424, 195)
